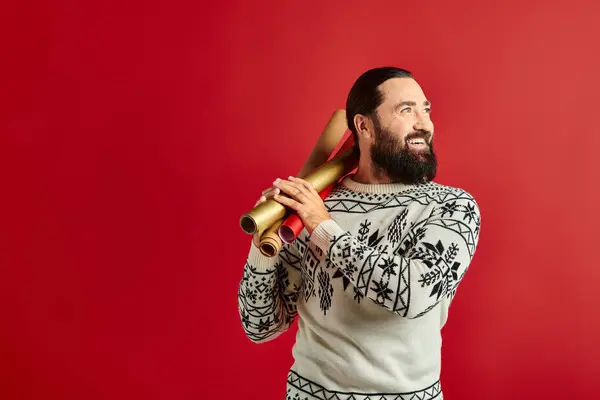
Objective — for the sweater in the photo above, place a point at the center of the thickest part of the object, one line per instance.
(371, 288)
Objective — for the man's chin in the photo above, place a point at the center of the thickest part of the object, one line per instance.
(421, 155)
(419, 150)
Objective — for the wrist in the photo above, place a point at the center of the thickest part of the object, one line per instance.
(318, 222)
(325, 233)
(259, 261)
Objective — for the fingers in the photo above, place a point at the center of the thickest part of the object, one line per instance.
(309, 186)
(299, 189)
(267, 194)
(288, 202)
(295, 190)
(270, 191)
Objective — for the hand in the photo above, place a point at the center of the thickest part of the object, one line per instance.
(304, 199)
(266, 195)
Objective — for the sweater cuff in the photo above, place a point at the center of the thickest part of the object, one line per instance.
(325, 232)
(259, 261)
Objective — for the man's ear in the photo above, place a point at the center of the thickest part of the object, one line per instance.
(364, 126)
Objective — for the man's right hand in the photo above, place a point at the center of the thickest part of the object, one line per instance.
(266, 195)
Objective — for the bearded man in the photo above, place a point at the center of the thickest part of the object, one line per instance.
(373, 274)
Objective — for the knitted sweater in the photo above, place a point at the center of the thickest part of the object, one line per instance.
(372, 287)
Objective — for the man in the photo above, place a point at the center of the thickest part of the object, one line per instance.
(373, 273)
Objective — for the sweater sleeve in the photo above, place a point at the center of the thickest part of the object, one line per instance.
(433, 258)
(268, 293)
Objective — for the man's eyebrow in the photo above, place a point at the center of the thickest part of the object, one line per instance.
(426, 103)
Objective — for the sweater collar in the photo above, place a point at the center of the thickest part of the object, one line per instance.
(377, 188)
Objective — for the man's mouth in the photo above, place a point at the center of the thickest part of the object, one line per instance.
(417, 143)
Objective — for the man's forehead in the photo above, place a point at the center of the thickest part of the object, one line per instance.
(402, 89)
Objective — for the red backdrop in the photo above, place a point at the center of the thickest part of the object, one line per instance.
(134, 134)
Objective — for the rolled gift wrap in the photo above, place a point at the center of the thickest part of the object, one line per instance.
(261, 217)
(324, 147)
(270, 242)
(293, 225)
(271, 210)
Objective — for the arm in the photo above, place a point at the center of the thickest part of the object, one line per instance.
(268, 293)
(430, 265)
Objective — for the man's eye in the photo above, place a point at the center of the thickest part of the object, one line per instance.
(405, 110)
(428, 110)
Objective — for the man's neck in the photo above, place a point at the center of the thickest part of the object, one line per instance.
(368, 174)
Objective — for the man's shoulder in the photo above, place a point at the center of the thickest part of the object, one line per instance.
(448, 192)
(456, 205)
(452, 199)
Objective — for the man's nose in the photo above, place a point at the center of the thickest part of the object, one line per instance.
(423, 123)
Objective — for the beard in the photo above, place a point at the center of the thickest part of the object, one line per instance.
(401, 164)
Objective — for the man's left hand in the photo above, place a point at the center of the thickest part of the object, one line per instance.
(304, 199)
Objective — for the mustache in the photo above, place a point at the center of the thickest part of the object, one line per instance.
(419, 134)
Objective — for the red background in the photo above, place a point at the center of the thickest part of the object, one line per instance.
(134, 134)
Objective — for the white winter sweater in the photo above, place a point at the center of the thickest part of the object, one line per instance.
(372, 287)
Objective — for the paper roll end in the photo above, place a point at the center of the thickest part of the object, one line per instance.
(286, 234)
(270, 247)
(248, 224)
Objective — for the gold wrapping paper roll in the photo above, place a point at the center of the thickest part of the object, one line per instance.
(263, 216)
(270, 242)
(327, 142)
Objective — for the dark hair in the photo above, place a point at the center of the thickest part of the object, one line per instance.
(365, 96)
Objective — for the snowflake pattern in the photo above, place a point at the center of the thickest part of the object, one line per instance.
(443, 275)
(369, 260)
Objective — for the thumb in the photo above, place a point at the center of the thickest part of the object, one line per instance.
(261, 200)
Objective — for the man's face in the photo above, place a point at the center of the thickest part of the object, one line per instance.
(403, 133)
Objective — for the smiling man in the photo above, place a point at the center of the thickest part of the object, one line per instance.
(374, 272)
